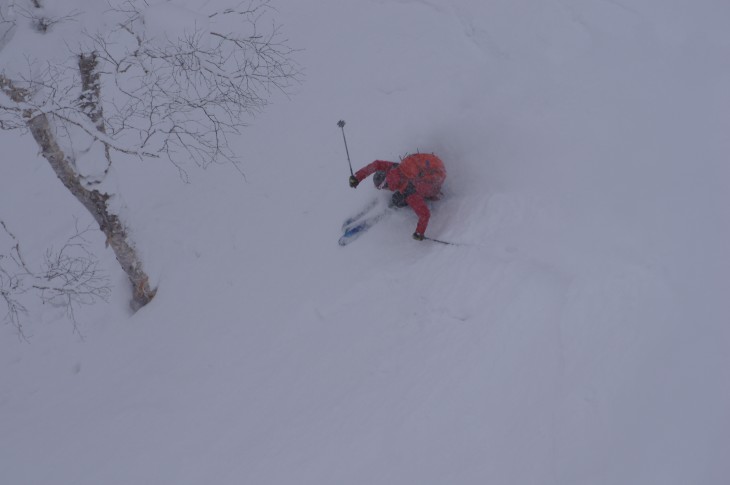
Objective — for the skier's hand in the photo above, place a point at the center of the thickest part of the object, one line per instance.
(418, 236)
(354, 181)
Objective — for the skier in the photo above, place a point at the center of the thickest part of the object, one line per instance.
(415, 180)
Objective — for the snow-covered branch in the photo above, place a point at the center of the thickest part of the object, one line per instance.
(7, 24)
(172, 91)
(162, 81)
(187, 91)
(68, 278)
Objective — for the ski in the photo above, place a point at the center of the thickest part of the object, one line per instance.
(355, 229)
(355, 226)
(350, 220)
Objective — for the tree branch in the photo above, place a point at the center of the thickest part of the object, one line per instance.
(69, 278)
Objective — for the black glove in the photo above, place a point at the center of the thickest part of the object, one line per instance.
(418, 236)
(354, 181)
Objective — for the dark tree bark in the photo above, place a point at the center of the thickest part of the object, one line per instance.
(91, 98)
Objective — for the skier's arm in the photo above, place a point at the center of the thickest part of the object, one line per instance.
(421, 209)
(371, 168)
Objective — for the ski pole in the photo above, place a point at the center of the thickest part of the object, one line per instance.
(440, 241)
(341, 124)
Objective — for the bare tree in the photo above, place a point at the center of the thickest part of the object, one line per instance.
(68, 277)
(175, 92)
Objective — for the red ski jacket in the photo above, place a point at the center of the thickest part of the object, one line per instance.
(418, 177)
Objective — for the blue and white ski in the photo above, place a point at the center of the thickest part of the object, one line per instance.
(355, 226)
(360, 215)
(356, 229)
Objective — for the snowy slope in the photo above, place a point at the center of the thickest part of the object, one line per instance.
(578, 335)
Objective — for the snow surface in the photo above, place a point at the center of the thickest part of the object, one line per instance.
(578, 336)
